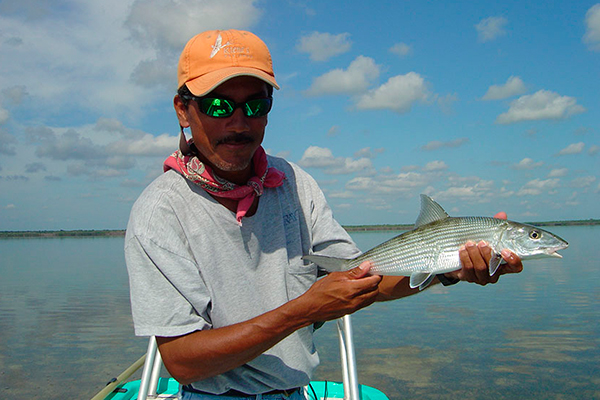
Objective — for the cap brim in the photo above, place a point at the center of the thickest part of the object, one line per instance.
(208, 82)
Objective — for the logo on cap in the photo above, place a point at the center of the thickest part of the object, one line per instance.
(218, 46)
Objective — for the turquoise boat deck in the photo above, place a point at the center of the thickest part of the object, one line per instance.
(317, 390)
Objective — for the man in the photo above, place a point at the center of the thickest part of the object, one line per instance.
(214, 246)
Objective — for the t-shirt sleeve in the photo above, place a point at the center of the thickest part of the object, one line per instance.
(168, 295)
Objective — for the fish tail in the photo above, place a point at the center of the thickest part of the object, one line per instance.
(330, 264)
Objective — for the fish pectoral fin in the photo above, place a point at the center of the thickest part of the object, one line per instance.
(421, 279)
(495, 262)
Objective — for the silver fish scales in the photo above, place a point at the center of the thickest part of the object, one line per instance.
(432, 247)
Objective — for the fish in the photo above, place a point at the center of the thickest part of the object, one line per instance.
(432, 247)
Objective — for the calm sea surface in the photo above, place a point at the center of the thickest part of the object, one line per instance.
(65, 327)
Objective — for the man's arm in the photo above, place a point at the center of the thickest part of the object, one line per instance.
(202, 354)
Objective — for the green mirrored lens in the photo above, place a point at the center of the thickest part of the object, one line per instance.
(258, 107)
(217, 107)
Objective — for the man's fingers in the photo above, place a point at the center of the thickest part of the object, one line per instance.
(474, 259)
(513, 262)
(501, 215)
(480, 267)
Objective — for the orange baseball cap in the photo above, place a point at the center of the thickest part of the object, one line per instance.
(212, 57)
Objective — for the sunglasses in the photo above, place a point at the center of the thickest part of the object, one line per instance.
(223, 108)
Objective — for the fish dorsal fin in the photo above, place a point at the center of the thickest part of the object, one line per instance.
(430, 212)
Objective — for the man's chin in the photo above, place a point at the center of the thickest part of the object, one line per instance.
(232, 165)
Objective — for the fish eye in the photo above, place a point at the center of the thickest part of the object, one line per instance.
(535, 234)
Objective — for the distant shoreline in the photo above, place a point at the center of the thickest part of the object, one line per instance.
(349, 228)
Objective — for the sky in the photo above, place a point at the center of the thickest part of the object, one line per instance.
(485, 106)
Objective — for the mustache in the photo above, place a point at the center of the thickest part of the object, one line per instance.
(236, 138)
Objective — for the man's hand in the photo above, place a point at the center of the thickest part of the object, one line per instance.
(341, 293)
(475, 258)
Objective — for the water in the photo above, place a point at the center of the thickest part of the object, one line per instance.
(65, 327)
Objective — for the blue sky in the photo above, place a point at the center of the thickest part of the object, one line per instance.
(485, 106)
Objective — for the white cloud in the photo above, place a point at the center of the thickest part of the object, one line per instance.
(355, 79)
(543, 104)
(491, 28)
(514, 86)
(146, 145)
(401, 49)
(319, 157)
(405, 183)
(349, 166)
(446, 102)
(583, 182)
(341, 195)
(481, 191)
(593, 150)
(592, 24)
(527, 163)
(15, 94)
(536, 187)
(323, 46)
(417, 180)
(435, 166)
(166, 25)
(35, 167)
(558, 173)
(436, 144)
(333, 131)
(398, 94)
(367, 152)
(63, 54)
(68, 146)
(106, 149)
(4, 116)
(376, 204)
(573, 148)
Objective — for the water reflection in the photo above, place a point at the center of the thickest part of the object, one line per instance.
(65, 322)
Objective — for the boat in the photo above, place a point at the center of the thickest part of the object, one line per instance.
(153, 386)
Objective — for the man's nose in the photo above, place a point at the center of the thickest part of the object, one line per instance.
(238, 122)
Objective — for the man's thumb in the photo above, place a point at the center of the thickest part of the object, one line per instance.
(361, 271)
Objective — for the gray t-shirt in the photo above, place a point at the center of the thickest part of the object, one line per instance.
(191, 267)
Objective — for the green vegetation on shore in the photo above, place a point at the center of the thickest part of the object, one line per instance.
(349, 228)
(61, 233)
(400, 227)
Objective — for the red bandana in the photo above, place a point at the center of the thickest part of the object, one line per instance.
(196, 171)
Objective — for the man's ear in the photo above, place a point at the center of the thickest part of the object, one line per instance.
(181, 111)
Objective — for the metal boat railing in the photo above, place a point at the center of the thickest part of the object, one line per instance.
(153, 364)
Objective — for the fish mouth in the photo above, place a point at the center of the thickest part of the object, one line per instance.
(553, 251)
